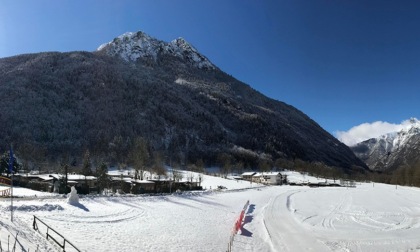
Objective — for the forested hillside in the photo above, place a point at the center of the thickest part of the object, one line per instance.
(55, 106)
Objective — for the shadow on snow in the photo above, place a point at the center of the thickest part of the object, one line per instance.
(79, 205)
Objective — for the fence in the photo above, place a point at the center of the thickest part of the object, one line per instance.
(8, 243)
(5, 192)
(5, 181)
(237, 226)
(54, 235)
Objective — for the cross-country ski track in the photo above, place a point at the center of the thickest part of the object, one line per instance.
(366, 218)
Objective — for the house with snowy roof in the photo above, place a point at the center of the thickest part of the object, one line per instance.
(268, 178)
(83, 184)
(272, 178)
(247, 175)
(76, 179)
(39, 182)
(256, 178)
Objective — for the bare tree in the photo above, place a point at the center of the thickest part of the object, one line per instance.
(190, 177)
(225, 163)
(158, 166)
(239, 167)
(177, 174)
(200, 178)
(140, 156)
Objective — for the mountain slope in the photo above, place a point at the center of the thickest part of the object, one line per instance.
(56, 105)
(393, 150)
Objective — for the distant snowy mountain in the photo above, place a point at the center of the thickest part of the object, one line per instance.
(391, 151)
(132, 46)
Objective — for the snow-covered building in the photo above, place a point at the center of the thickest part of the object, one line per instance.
(82, 179)
(271, 178)
(39, 182)
(247, 175)
(256, 178)
(83, 184)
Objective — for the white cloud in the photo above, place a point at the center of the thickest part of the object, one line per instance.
(367, 131)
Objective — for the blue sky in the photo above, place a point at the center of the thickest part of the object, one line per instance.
(343, 63)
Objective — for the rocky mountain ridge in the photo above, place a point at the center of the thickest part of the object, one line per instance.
(392, 150)
(132, 46)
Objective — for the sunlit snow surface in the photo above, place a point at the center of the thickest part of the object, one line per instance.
(370, 217)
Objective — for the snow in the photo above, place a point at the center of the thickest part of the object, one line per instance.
(73, 198)
(299, 178)
(132, 46)
(369, 217)
(24, 192)
(392, 141)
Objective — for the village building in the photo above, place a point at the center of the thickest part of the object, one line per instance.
(268, 178)
(247, 175)
(121, 182)
(142, 186)
(83, 184)
(256, 178)
(56, 182)
(272, 178)
(38, 182)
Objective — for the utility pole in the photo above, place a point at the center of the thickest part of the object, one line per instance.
(11, 183)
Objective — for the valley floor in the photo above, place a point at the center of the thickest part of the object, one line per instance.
(370, 217)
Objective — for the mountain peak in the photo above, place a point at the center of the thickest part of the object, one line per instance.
(391, 150)
(132, 46)
(181, 43)
(415, 123)
(180, 40)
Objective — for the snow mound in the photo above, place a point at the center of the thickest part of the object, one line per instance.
(73, 198)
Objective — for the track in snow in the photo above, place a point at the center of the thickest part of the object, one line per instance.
(340, 219)
(284, 232)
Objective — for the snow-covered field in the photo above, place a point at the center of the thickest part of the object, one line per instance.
(370, 217)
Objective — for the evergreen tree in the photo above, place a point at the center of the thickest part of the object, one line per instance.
(264, 165)
(87, 166)
(4, 163)
(416, 174)
(103, 179)
(87, 171)
(200, 165)
(200, 169)
(65, 171)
